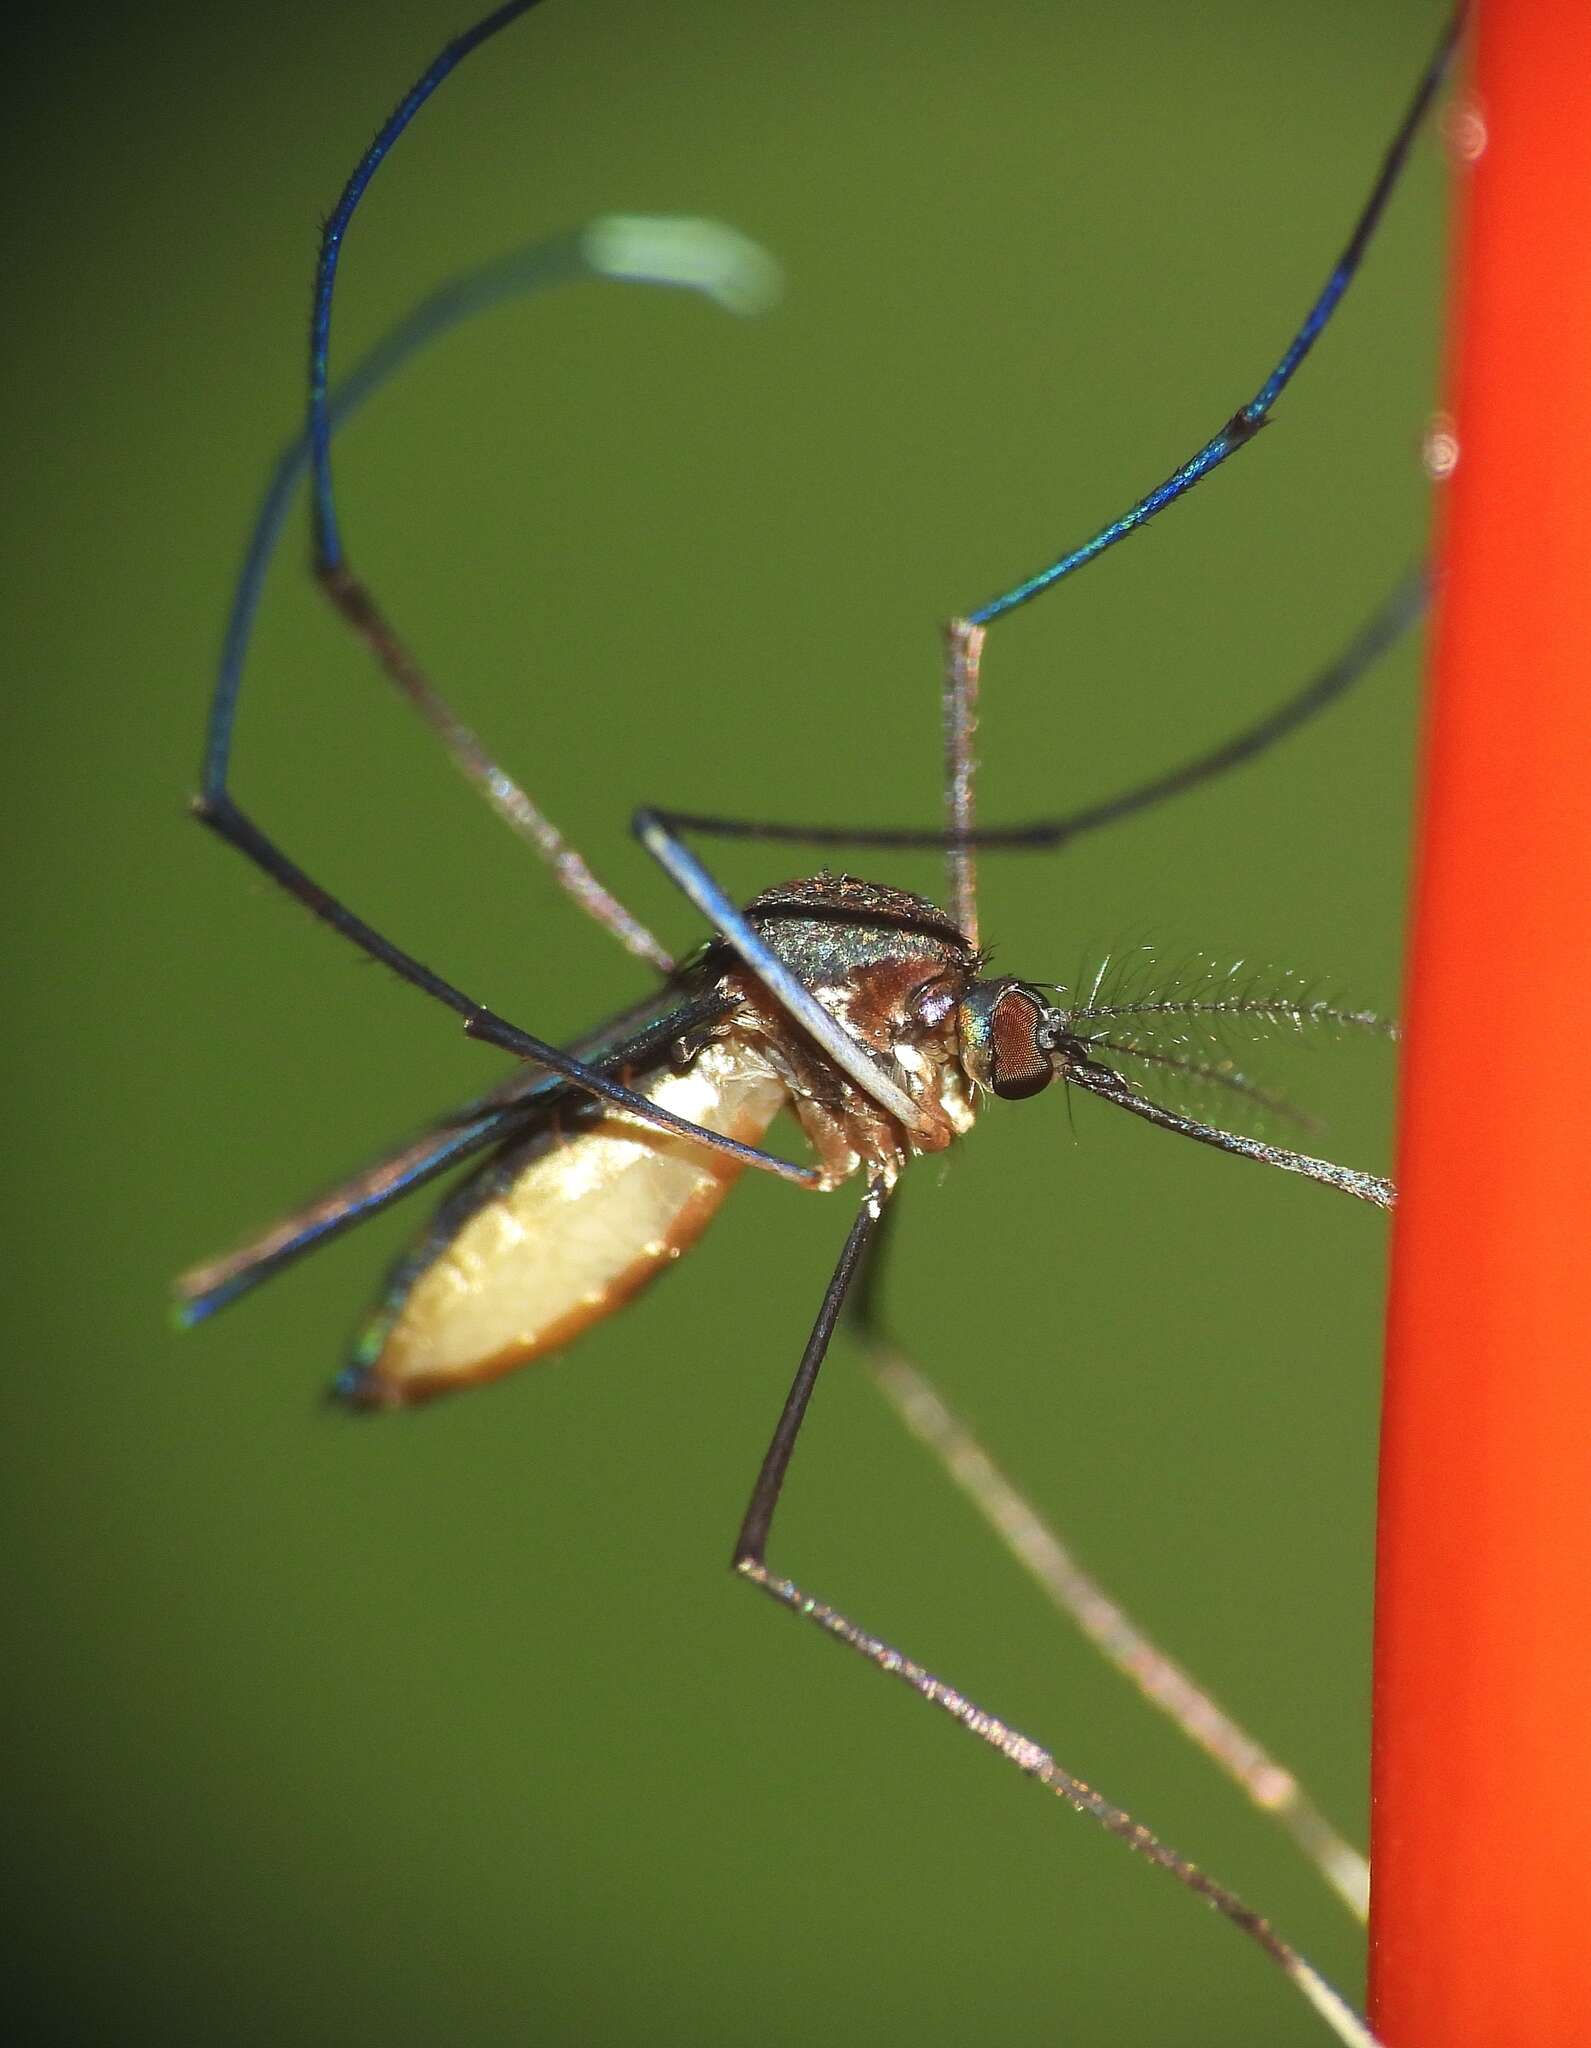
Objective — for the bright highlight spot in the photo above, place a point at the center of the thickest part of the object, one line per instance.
(702, 255)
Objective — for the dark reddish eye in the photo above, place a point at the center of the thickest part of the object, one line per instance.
(1018, 1064)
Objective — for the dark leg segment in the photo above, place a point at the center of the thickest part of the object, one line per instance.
(1028, 1756)
(1400, 609)
(1079, 1598)
(1397, 612)
(1246, 422)
(559, 260)
(328, 547)
(223, 817)
(751, 1544)
(351, 597)
(216, 808)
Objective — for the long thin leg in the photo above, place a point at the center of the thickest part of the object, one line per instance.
(525, 1100)
(216, 1283)
(1240, 429)
(751, 1544)
(1393, 617)
(328, 545)
(1082, 1600)
(216, 807)
(1400, 609)
(960, 836)
(688, 255)
(959, 710)
(1246, 422)
(224, 817)
(750, 1562)
(354, 604)
(351, 597)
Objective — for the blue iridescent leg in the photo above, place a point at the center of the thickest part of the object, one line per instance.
(1246, 422)
(689, 255)
(215, 805)
(1399, 610)
(1401, 607)
(328, 544)
(659, 830)
(355, 601)
(225, 818)
(529, 1099)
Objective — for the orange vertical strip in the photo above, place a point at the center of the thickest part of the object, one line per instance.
(1481, 1837)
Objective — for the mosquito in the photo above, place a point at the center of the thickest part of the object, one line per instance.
(861, 1008)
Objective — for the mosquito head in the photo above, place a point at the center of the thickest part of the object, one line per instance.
(1008, 1038)
(1015, 1041)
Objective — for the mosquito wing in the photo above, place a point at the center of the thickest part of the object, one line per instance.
(637, 1041)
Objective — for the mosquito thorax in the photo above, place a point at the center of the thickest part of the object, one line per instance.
(1007, 1041)
(892, 968)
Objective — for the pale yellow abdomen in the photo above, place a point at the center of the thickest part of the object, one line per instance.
(585, 1225)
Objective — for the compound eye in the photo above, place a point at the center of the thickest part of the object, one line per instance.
(1018, 1064)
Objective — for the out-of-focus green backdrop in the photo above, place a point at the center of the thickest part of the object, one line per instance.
(455, 1727)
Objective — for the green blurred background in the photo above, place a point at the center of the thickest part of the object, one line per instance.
(455, 1727)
